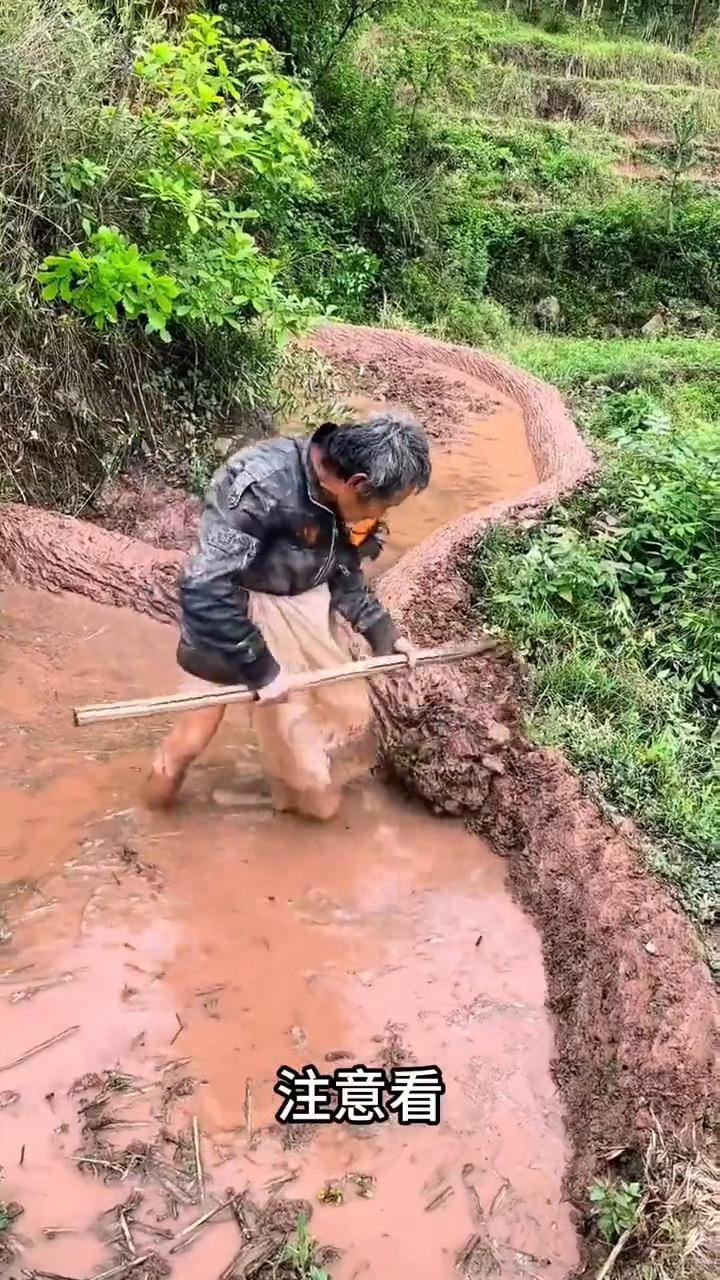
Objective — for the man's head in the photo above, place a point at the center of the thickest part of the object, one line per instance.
(367, 467)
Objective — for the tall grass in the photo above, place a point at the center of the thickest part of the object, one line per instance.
(603, 60)
(66, 400)
(577, 53)
(622, 106)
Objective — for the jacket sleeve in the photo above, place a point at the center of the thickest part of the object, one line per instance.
(213, 599)
(351, 597)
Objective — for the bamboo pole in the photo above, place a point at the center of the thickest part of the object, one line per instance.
(226, 694)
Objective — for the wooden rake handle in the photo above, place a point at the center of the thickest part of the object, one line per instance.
(226, 694)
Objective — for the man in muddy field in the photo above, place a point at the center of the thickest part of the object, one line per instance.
(275, 572)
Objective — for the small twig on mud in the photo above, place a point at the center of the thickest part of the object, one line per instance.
(465, 1255)
(229, 1271)
(128, 1206)
(36, 911)
(212, 991)
(198, 1158)
(477, 1208)
(181, 1240)
(175, 1064)
(275, 1185)
(440, 1199)
(9, 975)
(181, 1028)
(45, 1275)
(126, 1124)
(126, 1099)
(160, 1232)
(248, 1107)
(173, 1190)
(478, 1257)
(525, 1256)
(499, 1197)
(252, 1256)
(236, 1208)
(101, 1164)
(87, 909)
(127, 1234)
(22, 1156)
(29, 993)
(124, 1266)
(46, 1044)
(617, 1248)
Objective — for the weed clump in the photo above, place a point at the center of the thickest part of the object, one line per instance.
(664, 1224)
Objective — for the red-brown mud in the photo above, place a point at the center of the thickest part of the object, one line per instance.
(239, 942)
(635, 1023)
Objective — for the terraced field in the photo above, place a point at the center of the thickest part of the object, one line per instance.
(564, 159)
(623, 98)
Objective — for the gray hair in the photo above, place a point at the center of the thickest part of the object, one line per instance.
(390, 449)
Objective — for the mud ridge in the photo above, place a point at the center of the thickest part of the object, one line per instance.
(635, 1022)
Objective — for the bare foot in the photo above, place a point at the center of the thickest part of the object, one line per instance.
(162, 788)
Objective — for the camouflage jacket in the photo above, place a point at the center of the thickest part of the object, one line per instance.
(266, 527)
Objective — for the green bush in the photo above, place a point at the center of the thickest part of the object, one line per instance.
(610, 264)
(114, 275)
(225, 133)
(314, 34)
(615, 1207)
(614, 601)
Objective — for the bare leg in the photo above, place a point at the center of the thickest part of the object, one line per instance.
(187, 739)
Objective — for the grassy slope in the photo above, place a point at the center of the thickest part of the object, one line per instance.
(549, 154)
(506, 39)
(500, 66)
(577, 363)
(627, 689)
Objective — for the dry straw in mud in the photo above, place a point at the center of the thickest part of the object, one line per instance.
(677, 1233)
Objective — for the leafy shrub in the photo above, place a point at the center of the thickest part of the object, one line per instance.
(706, 47)
(479, 322)
(523, 164)
(620, 251)
(133, 189)
(220, 118)
(635, 559)
(313, 33)
(114, 275)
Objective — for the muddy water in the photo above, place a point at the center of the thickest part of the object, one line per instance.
(220, 943)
